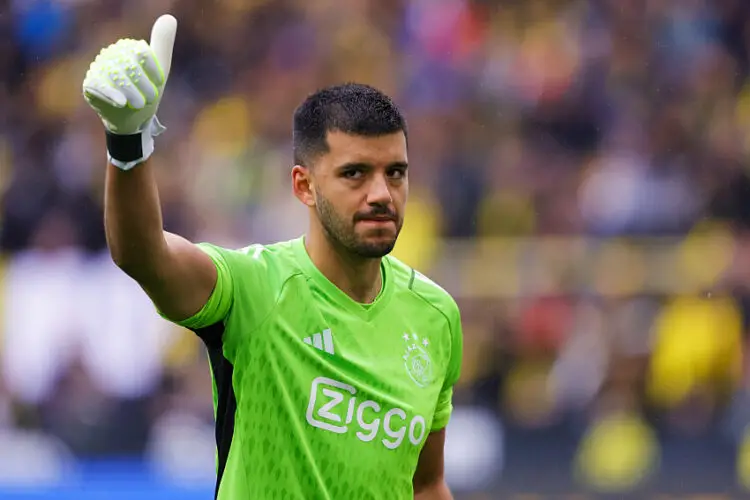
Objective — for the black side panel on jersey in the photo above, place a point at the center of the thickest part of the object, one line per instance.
(226, 406)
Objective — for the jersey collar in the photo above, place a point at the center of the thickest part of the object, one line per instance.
(366, 311)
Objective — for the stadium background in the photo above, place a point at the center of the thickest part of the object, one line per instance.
(580, 184)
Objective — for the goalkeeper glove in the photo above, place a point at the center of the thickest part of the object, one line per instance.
(124, 85)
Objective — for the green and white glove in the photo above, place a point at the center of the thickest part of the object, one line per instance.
(124, 85)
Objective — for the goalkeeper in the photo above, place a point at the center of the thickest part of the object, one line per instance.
(333, 363)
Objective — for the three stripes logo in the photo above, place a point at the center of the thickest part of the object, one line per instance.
(322, 341)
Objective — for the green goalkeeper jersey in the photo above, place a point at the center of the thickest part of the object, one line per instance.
(318, 396)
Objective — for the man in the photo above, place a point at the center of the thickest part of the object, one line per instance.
(333, 363)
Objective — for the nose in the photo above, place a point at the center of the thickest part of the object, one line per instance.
(379, 193)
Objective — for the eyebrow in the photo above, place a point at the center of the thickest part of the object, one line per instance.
(368, 166)
(399, 164)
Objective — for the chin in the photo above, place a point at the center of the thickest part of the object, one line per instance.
(373, 248)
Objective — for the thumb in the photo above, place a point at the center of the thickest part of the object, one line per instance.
(162, 41)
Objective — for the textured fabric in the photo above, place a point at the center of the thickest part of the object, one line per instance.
(334, 400)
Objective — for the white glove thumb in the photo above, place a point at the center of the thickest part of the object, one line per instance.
(162, 42)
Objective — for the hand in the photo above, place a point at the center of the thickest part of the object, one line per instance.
(125, 85)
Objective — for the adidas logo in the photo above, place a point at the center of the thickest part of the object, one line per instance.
(322, 341)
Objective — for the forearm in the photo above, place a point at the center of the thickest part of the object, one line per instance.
(133, 219)
(436, 491)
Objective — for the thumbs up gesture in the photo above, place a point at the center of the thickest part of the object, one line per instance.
(124, 85)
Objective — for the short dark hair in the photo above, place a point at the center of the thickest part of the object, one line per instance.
(352, 108)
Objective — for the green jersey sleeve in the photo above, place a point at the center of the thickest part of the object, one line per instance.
(246, 276)
(444, 406)
(221, 299)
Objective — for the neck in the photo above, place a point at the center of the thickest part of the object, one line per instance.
(358, 277)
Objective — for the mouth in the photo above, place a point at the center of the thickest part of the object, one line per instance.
(377, 222)
(377, 219)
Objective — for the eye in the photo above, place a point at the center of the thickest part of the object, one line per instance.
(398, 173)
(352, 173)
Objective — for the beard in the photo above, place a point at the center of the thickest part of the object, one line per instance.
(342, 234)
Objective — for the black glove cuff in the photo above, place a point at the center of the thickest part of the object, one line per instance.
(125, 148)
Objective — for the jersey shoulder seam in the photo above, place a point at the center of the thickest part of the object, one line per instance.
(429, 302)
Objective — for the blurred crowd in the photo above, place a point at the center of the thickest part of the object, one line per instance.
(580, 184)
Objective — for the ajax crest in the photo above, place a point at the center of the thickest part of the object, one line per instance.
(417, 360)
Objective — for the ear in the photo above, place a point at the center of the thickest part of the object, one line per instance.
(302, 185)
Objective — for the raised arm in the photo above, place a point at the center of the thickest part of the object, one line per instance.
(124, 85)
(175, 273)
